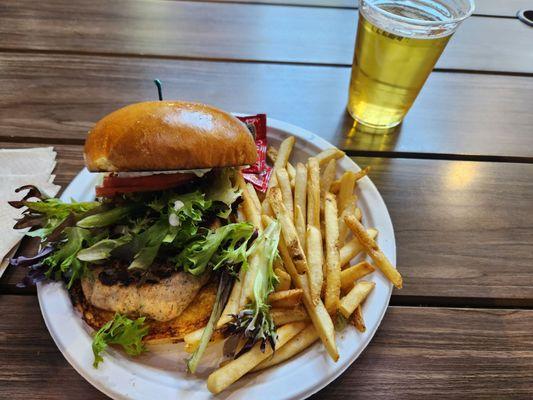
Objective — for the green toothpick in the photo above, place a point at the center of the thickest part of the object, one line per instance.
(159, 89)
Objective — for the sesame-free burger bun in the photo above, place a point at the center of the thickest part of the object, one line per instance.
(168, 135)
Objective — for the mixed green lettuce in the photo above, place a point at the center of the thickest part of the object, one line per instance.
(140, 228)
(191, 231)
(254, 324)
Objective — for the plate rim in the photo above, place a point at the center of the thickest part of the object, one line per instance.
(305, 392)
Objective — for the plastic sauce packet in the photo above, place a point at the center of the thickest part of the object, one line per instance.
(257, 126)
(259, 173)
(260, 181)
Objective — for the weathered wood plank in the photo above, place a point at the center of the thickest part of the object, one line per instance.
(416, 353)
(463, 229)
(57, 98)
(496, 8)
(238, 31)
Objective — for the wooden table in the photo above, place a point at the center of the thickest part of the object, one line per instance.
(457, 178)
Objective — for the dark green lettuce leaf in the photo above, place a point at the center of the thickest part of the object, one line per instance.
(106, 218)
(102, 250)
(64, 260)
(150, 241)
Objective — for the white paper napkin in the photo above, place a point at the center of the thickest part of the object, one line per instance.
(20, 167)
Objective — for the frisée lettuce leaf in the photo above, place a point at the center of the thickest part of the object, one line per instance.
(223, 190)
(224, 246)
(122, 331)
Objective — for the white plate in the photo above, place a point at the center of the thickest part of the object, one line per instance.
(160, 373)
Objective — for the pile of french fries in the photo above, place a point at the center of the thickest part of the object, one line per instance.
(316, 283)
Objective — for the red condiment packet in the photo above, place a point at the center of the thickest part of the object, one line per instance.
(260, 181)
(259, 173)
(257, 126)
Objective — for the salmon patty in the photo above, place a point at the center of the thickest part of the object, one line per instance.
(162, 301)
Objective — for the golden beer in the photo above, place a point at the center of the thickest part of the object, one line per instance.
(390, 67)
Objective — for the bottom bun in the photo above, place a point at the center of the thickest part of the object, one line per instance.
(195, 316)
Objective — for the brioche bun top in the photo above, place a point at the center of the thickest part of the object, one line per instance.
(168, 135)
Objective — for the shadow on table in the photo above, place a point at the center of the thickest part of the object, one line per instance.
(354, 136)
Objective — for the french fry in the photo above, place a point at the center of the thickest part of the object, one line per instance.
(286, 191)
(373, 250)
(357, 319)
(267, 220)
(278, 262)
(315, 261)
(299, 224)
(330, 154)
(284, 152)
(352, 248)
(348, 210)
(319, 317)
(328, 176)
(355, 297)
(284, 280)
(346, 189)
(252, 213)
(355, 272)
(362, 173)
(333, 267)
(289, 231)
(292, 173)
(265, 208)
(300, 200)
(282, 316)
(272, 154)
(282, 158)
(285, 255)
(335, 186)
(296, 345)
(253, 196)
(235, 369)
(285, 299)
(358, 214)
(313, 192)
(192, 340)
(318, 313)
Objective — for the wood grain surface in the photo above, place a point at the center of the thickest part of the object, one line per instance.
(416, 352)
(57, 98)
(504, 8)
(264, 33)
(463, 229)
(457, 177)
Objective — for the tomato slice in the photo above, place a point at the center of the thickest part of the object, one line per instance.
(114, 185)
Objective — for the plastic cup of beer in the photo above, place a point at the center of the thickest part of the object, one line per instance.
(398, 43)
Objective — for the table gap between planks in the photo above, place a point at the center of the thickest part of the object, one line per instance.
(457, 179)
